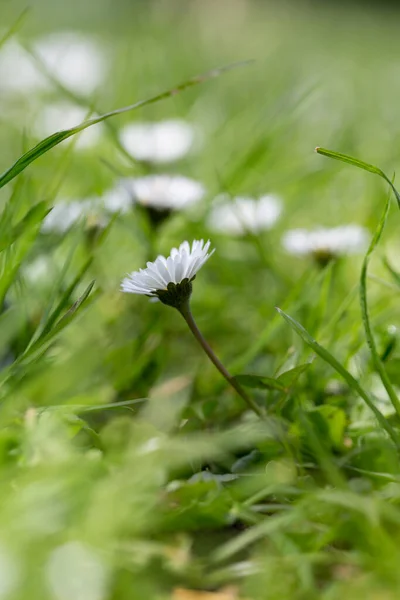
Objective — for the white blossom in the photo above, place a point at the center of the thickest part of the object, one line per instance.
(63, 115)
(38, 270)
(73, 59)
(162, 142)
(162, 192)
(18, 71)
(336, 241)
(182, 263)
(65, 214)
(240, 215)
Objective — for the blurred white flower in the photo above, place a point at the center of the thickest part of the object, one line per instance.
(65, 214)
(162, 142)
(118, 199)
(336, 241)
(76, 571)
(73, 59)
(162, 192)
(63, 115)
(38, 270)
(18, 71)
(182, 264)
(240, 215)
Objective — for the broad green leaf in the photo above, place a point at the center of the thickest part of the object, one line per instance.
(332, 422)
(260, 382)
(288, 378)
(282, 383)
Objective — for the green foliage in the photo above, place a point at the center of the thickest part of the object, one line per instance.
(129, 468)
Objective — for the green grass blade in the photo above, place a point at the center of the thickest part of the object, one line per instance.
(46, 326)
(34, 216)
(353, 383)
(56, 138)
(65, 320)
(14, 27)
(361, 165)
(378, 364)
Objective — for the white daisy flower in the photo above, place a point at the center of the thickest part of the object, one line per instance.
(336, 241)
(241, 215)
(74, 60)
(170, 278)
(65, 214)
(38, 270)
(162, 142)
(161, 192)
(63, 115)
(18, 71)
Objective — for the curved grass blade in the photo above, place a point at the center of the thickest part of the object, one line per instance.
(57, 327)
(14, 27)
(361, 165)
(52, 316)
(56, 138)
(352, 383)
(9, 234)
(377, 362)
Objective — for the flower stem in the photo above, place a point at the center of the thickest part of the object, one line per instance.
(185, 311)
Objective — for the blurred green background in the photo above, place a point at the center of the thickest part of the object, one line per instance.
(128, 468)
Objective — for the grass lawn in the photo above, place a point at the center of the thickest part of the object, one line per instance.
(132, 466)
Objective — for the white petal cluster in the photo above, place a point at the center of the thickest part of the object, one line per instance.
(336, 241)
(65, 214)
(38, 270)
(182, 263)
(63, 115)
(240, 215)
(162, 142)
(162, 192)
(18, 72)
(74, 60)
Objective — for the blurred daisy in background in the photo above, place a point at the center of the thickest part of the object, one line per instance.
(65, 214)
(158, 194)
(162, 142)
(40, 269)
(63, 115)
(324, 244)
(241, 215)
(74, 60)
(18, 71)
